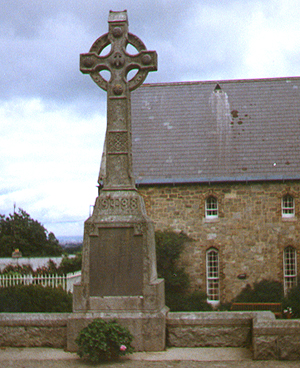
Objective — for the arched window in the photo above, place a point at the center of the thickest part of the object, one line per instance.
(211, 207)
(212, 275)
(289, 268)
(288, 206)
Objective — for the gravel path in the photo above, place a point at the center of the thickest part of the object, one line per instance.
(172, 358)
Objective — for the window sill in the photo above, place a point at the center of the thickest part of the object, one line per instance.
(289, 219)
(209, 220)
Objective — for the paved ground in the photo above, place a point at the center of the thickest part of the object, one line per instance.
(171, 358)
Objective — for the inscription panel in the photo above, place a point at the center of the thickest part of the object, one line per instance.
(116, 263)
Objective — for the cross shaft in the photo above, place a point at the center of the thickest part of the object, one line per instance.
(119, 63)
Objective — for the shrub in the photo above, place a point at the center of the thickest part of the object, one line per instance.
(17, 270)
(265, 291)
(34, 298)
(196, 301)
(293, 301)
(102, 340)
(68, 265)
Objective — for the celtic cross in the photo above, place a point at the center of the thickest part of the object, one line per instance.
(119, 63)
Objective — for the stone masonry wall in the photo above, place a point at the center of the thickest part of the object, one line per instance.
(250, 233)
(34, 329)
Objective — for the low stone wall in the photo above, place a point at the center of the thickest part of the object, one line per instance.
(209, 329)
(275, 339)
(271, 338)
(33, 329)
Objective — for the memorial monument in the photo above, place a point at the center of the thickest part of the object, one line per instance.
(119, 277)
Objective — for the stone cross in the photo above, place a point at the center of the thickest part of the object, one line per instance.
(119, 277)
(119, 63)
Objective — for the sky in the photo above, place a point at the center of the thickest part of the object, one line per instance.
(53, 118)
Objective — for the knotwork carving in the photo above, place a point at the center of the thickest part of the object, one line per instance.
(119, 204)
(117, 142)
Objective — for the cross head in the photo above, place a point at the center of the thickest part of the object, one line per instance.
(118, 62)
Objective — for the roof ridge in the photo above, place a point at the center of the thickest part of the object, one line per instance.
(219, 81)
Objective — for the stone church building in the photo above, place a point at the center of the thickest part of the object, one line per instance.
(220, 161)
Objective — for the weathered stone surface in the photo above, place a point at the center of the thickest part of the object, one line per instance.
(271, 338)
(118, 62)
(275, 339)
(33, 329)
(289, 347)
(204, 329)
(265, 348)
(216, 336)
(148, 329)
(55, 337)
(116, 263)
(249, 232)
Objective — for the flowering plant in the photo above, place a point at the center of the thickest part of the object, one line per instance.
(102, 340)
(288, 310)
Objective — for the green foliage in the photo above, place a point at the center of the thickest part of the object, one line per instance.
(101, 341)
(20, 231)
(34, 298)
(68, 265)
(17, 270)
(50, 269)
(169, 246)
(72, 248)
(195, 301)
(265, 291)
(293, 301)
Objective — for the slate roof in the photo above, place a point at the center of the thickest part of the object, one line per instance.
(234, 130)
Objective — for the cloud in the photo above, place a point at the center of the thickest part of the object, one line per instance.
(49, 159)
(272, 40)
(52, 117)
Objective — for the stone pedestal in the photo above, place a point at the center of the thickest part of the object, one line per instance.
(119, 278)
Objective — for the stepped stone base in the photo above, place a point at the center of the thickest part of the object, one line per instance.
(148, 329)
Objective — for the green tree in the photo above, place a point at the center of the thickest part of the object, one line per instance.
(20, 231)
(68, 265)
(169, 246)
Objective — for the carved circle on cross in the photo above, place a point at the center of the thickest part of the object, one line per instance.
(117, 32)
(103, 41)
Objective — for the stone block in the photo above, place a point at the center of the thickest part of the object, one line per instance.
(275, 339)
(288, 347)
(265, 348)
(33, 329)
(213, 329)
(148, 329)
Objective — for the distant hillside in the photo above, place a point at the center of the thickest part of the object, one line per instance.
(63, 240)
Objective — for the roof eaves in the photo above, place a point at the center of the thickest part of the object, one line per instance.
(215, 180)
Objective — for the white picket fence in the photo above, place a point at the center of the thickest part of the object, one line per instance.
(65, 281)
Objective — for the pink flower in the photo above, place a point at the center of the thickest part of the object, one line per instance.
(123, 348)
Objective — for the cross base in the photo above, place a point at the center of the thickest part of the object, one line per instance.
(148, 329)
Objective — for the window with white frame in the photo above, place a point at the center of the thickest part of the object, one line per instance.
(289, 268)
(211, 207)
(212, 275)
(288, 206)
